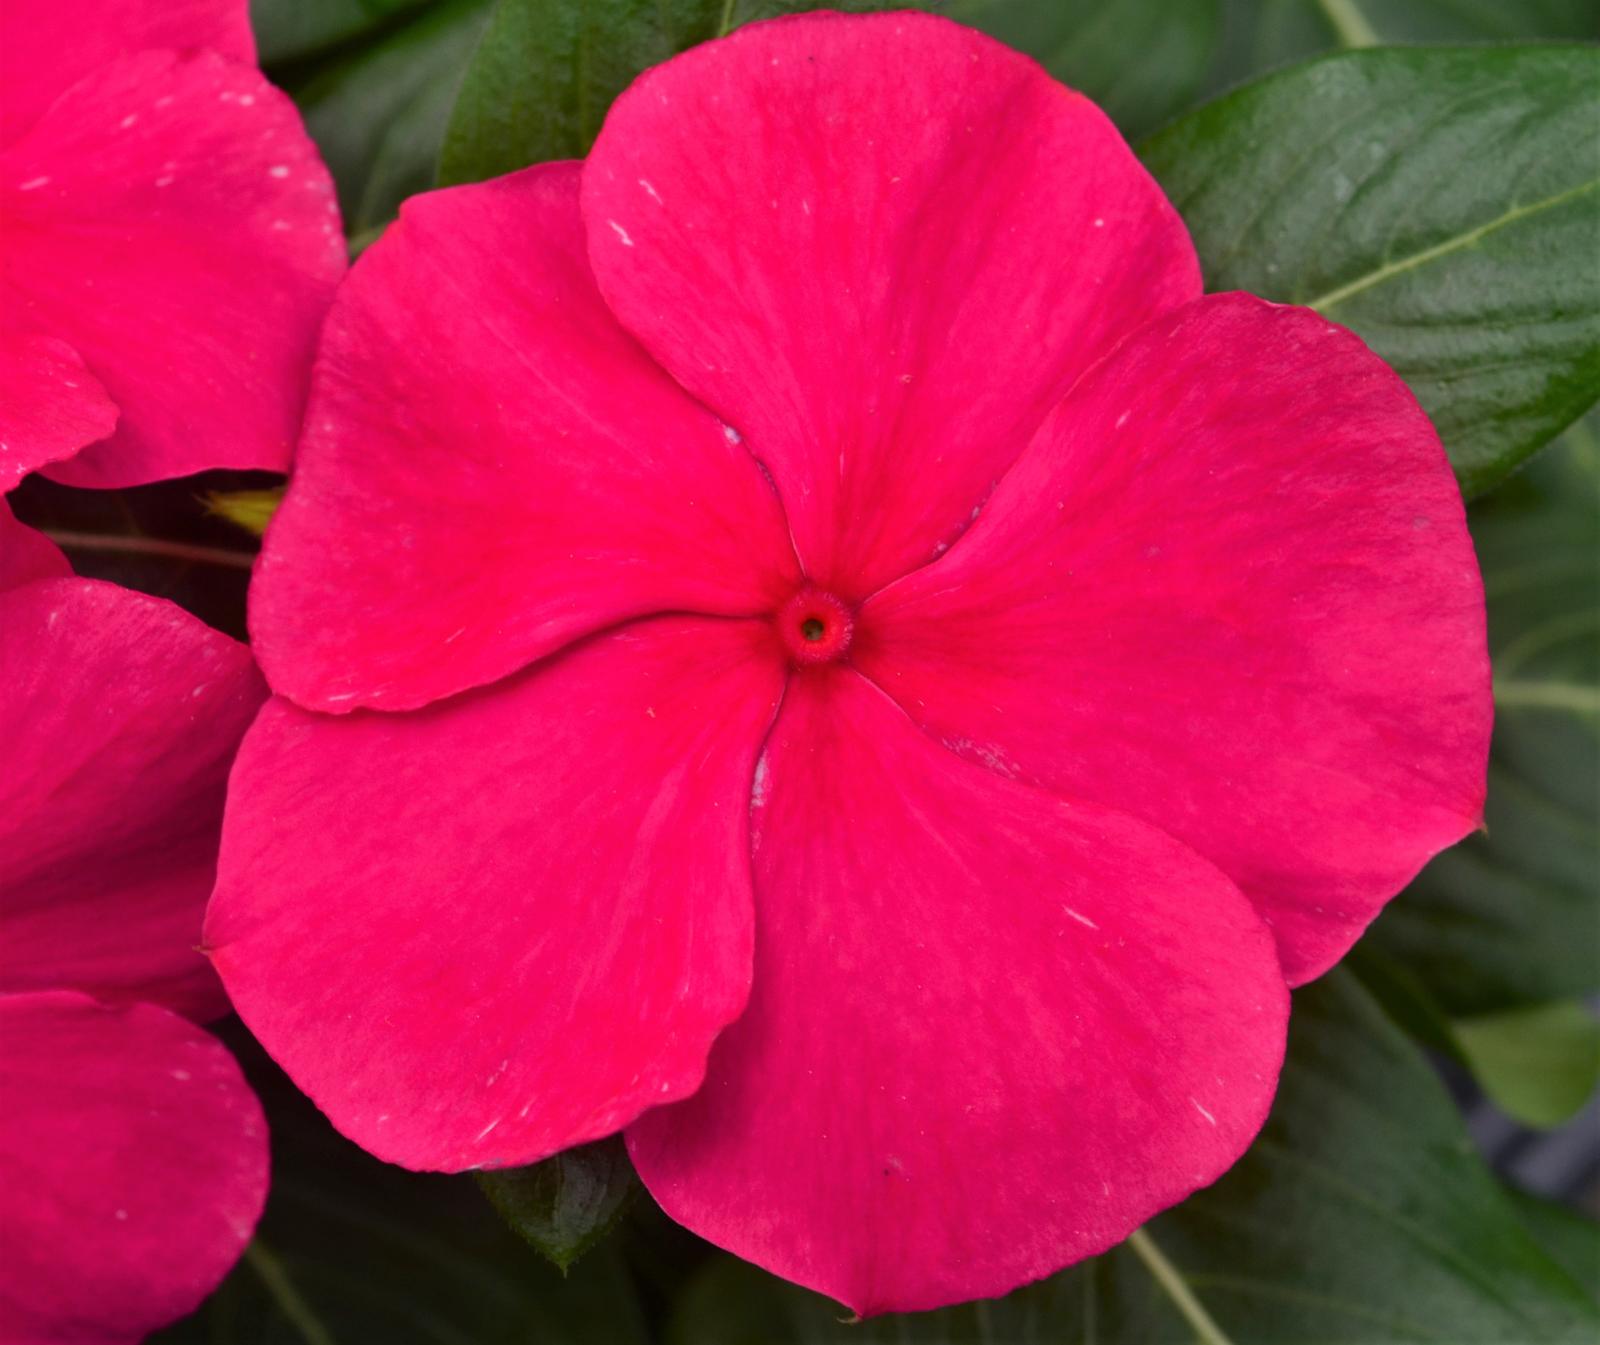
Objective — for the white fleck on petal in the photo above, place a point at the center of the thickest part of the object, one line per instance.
(621, 233)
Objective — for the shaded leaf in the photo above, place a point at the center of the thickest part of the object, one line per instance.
(1438, 202)
(378, 112)
(1260, 35)
(1141, 60)
(547, 70)
(1512, 917)
(1570, 1239)
(569, 1202)
(291, 29)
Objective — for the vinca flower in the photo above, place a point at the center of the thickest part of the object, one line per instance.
(805, 639)
(169, 243)
(133, 1154)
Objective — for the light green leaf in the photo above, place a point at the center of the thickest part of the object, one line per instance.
(1445, 204)
(565, 1205)
(1540, 1064)
(1141, 60)
(1362, 1214)
(251, 510)
(1512, 917)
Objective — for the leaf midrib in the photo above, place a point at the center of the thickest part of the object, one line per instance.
(1449, 245)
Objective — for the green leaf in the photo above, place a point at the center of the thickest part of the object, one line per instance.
(547, 71)
(1540, 1064)
(1442, 203)
(1263, 34)
(1512, 917)
(1362, 1214)
(1570, 1239)
(292, 29)
(352, 1251)
(1141, 60)
(378, 112)
(568, 1203)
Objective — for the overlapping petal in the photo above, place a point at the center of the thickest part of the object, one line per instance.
(492, 467)
(133, 1157)
(50, 404)
(170, 221)
(991, 1031)
(120, 714)
(1228, 589)
(881, 247)
(26, 555)
(482, 932)
(47, 47)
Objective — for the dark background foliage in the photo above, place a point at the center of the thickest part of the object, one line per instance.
(1440, 196)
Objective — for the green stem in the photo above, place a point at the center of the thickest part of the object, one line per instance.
(1509, 693)
(286, 1296)
(1349, 24)
(1206, 1330)
(149, 546)
(725, 23)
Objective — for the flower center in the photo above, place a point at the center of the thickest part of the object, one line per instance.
(815, 626)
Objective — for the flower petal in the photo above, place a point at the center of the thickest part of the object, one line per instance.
(170, 220)
(486, 931)
(881, 247)
(492, 467)
(1228, 589)
(133, 1167)
(50, 404)
(26, 555)
(46, 46)
(991, 1031)
(120, 714)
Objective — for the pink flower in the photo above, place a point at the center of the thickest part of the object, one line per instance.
(133, 1155)
(848, 605)
(169, 243)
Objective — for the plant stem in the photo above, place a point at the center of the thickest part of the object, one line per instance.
(1349, 24)
(150, 546)
(1206, 1331)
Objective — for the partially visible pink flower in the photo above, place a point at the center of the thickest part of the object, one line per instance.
(133, 1155)
(886, 684)
(169, 243)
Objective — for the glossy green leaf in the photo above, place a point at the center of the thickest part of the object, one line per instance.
(565, 1205)
(1512, 916)
(1540, 1064)
(1141, 60)
(1362, 1214)
(378, 111)
(1440, 202)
